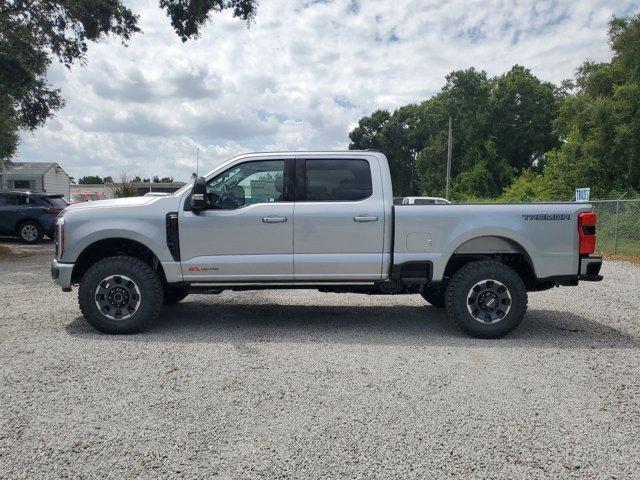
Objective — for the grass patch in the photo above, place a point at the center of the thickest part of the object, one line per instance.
(626, 247)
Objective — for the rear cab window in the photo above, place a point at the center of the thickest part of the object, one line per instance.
(337, 180)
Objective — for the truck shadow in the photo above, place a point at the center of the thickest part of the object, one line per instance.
(242, 325)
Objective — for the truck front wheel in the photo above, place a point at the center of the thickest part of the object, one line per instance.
(486, 299)
(120, 295)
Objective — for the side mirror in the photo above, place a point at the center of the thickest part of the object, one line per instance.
(198, 200)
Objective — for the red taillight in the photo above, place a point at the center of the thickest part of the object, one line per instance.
(587, 232)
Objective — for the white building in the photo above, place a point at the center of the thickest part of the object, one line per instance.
(37, 177)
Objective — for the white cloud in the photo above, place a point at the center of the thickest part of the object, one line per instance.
(299, 78)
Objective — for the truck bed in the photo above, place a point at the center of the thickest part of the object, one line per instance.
(546, 232)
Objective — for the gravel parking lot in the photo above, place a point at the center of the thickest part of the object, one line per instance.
(310, 385)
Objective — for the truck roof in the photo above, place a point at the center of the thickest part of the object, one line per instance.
(290, 153)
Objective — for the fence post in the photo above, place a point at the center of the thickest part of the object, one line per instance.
(615, 229)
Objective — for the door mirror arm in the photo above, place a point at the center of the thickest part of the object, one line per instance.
(198, 200)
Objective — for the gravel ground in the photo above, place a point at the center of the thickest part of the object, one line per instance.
(310, 385)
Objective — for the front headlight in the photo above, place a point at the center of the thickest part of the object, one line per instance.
(58, 237)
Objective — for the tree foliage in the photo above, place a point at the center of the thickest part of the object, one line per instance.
(189, 16)
(124, 188)
(518, 137)
(33, 33)
(487, 113)
(91, 180)
(601, 122)
(157, 179)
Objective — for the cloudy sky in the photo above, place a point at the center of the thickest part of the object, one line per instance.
(299, 78)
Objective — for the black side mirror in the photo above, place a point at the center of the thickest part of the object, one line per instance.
(198, 200)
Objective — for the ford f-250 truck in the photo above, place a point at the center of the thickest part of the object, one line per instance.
(321, 220)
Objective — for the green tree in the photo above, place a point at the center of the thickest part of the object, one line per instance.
(501, 126)
(157, 179)
(522, 111)
(91, 180)
(600, 123)
(124, 188)
(34, 33)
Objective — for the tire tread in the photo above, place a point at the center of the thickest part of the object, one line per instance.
(142, 268)
(491, 267)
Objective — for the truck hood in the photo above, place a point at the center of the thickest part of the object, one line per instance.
(114, 202)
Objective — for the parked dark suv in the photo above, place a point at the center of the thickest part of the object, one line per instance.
(29, 216)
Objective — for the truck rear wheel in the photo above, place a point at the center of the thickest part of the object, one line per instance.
(120, 295)
(434, 294)
(486, 299)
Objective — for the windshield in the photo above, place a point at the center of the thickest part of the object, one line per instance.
(188, 185)
(226, 180)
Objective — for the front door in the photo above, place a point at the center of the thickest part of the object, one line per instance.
(246, 234)
(339, 220)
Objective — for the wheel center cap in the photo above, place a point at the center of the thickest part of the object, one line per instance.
(118, 297)
(488, 300)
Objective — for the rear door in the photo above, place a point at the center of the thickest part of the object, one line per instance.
(9, 216)
(338, 226)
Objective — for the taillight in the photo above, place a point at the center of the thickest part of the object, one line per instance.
(587, 232)
(53, 210)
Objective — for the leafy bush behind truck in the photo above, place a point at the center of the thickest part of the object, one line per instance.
(323, 220)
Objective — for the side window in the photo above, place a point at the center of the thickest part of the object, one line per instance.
(337, 180)
(247, 184)
(8, 200)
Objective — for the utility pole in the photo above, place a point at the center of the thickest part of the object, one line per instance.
(197, 161)
(449, 145)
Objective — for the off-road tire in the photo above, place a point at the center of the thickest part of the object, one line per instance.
(434, 294)
(459, 291)
(30, 232)
(146, 281)
(173, 295)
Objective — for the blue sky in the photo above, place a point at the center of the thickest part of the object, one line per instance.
(299, 78)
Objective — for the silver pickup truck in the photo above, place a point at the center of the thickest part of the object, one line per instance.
(321, 220)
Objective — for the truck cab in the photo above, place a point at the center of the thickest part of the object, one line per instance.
(324, 220)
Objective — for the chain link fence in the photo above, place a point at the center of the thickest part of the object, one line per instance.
(618, 226)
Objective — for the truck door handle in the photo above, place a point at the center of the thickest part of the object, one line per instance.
(274, 219)
(365, 218)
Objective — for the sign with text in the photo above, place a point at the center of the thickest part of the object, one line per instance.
(583, 194)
